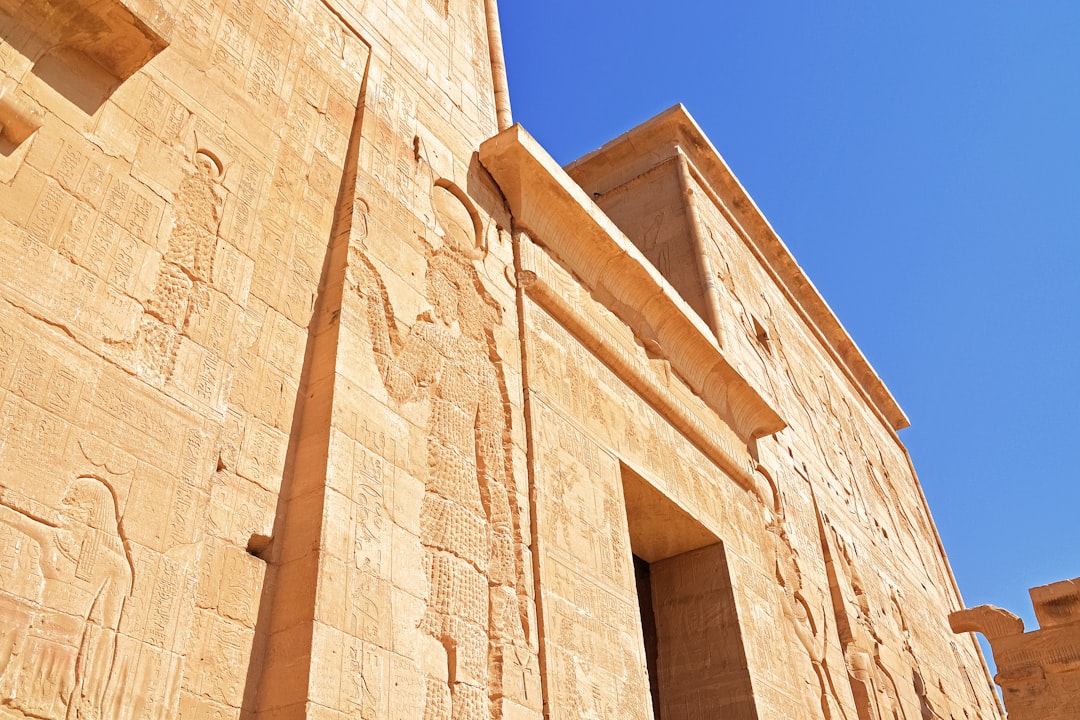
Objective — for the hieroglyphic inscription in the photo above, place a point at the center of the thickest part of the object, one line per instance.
(180, 231)
(616, 347)
(875, 685)
(805, 606)
(585, 519)
(590, 608)
(846, 450)
(368, 484)
(182, 279)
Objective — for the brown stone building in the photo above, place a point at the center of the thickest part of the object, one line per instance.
(325, 393)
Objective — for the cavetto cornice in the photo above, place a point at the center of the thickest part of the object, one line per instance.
(557, 213)
(673, 131)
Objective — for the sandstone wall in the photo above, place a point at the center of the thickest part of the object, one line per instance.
(838, 586)
(181, 183)
(297, 420)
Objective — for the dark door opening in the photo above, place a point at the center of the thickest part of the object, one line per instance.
(648, 629)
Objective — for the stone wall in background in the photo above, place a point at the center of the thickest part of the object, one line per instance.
(1038, 670)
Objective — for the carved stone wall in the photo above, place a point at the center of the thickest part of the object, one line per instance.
(321, 397)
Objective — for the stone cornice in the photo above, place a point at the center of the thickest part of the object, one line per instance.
(661, 139)
(558, 214)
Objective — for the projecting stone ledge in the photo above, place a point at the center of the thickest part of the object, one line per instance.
(120, 36)
(19, 119)
(561, 216)
(1038, 671)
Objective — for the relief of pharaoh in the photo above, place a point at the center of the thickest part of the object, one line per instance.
(469, 515)
(57, 649)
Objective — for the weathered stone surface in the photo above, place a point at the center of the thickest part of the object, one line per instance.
(326, 393)
(1039, 670)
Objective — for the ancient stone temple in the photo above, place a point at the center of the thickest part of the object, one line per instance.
(1039, 670)
(326, 393)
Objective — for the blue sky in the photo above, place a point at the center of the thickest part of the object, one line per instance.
(922, 162)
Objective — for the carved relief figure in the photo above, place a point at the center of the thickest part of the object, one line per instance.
(185, 268)
(799, 611)
(59, 664)
(469, 516)
(740, 329)
(968, 682)
(877, 695)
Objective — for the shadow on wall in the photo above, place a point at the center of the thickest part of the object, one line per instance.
(81, 49)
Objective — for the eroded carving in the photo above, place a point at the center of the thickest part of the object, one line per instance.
(57, 644)
(112, 228)
(878, 693)
(806, 618)
(185, 271)
(469, 516)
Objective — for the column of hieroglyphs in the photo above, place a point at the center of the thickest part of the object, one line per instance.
(870, 511)
(840, 464)
(262, 415)
(585, 419)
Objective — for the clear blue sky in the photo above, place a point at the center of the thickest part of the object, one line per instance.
(922, 162)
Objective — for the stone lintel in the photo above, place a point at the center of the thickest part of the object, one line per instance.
(558, 214)
(674, 131)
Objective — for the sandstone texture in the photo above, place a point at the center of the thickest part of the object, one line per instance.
(326, 393)
(1038, 671)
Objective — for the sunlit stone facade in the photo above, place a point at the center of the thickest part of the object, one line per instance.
(325, 393)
